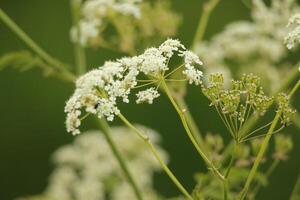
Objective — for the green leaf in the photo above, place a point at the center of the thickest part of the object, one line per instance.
(24, 61)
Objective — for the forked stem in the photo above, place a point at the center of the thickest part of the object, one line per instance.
(189, 133)
(147, 141)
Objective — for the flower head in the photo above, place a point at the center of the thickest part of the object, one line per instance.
(293, 37)
(98, 92)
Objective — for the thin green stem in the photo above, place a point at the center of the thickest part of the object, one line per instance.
(79, 51)
(259, 157)
(117, 154)
(256, 130)
(259, 136)
(230, 165)
(296, 191)
(37, 49)
(147, 141)
(207, 10)
(225, 190)
(225, 122)
(189, 133)
(173, 71)
(294, 89)
(232, 159)
(263, 147)
(190, 120)
(267, 175)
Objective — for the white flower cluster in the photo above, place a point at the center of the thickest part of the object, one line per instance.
(88, 170)
(94, 13)
(293, 37)
(252, 46)
(98, 91)
(147, 95)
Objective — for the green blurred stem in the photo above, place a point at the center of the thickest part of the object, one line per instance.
(188, 131)
(78, 49)
(107, 134)
(37, 49)
(230, 165)
(232, 159)
(263, 147)
(296, 120)
(296, 191)
(157, 156)
(225, 189)
(207, 10)
(267, 174)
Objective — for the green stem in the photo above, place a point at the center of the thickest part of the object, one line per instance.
(78, 49)
(157, 156)
(296, 191)
(188, 131)
(31, 44)
(263, 148)
(267, 174)
(225, 189)
(232, 158)
(294, 89)
(259, 157)
(190, 120)
(230, 165)
(207, 10)
(107, 134)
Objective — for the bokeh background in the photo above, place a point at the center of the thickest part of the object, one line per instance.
(31, 107)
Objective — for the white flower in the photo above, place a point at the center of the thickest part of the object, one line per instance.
(193, 75)
(73, 122)
(293, 37)
(98, 91)
(170, 46)
(153, 62)
(147, 95)
(191, 58)
(88, 30)
(107, 108)
(84, 169)
(94, 14)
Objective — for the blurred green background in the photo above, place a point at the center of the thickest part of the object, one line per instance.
(31, 107)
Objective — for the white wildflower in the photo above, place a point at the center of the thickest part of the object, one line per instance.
(170, 46)
(88, 31)
(191, 58)
(153, 62)
(293, 37)
(94, 14)
(107, 108)
(193, 75)
(98, 91)
(83, 169)
(73, 122)
(147, 95)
